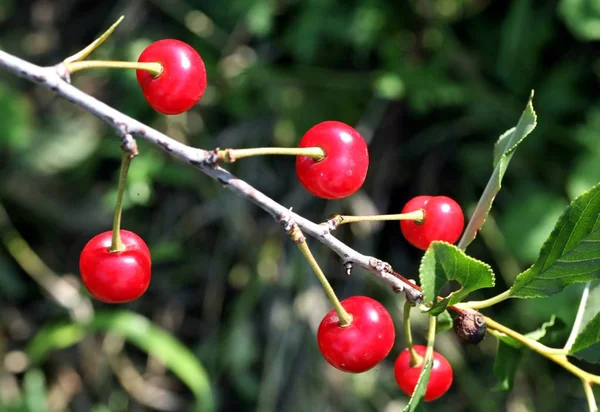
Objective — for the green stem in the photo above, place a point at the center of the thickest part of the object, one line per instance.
(344, 317)
(481, 210)
(117, 244)
(231, 155)
(416, 216)
(558, 356)
(415, 358)
(431, 336)
(94, 45)
(481, 304)
(154, 68)
(589, 394)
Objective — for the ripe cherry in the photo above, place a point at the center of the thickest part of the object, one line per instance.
(362, 344)
(343, 169)
(115, 277)
(444, 220)
(181, 83)
(407, 376)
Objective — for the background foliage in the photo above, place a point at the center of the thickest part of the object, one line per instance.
(431, 84)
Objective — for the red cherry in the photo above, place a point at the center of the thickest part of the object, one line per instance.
(115, 277)
(362, 344)
(444, 220)
(407, 376)
(343, 169)
(182, 81)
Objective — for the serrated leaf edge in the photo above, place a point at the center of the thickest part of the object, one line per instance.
(439, 303)
(546, 244)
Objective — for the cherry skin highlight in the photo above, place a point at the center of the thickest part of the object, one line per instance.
(115, 277)
(444, 220)
(364, 343)
(343, 169)
(407, 376)
(182, 82)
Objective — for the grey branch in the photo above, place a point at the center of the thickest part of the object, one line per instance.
(55, 79)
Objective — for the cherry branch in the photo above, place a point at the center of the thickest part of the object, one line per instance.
(57, 80)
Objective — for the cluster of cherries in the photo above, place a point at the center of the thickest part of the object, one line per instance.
(332, 162)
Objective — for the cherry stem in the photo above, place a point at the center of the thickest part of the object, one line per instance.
(430, 339)
(117, 244)
(231, 155)
(415, 358)
(345, 319)
(94, 45)
(417, 216)
(482, 304)
(154, 68)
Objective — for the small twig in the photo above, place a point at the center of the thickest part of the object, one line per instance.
(203, 160)
(64, 293)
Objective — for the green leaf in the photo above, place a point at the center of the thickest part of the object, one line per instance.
(591, 304)
(571, 254)
(443, 262)
(503, 152)
(17, 119)
(510, 351)
(444, 322)
(416, 400)
(34, 385)
(139, 331)
(543, 330)
(505, 365)
(582, 17)
(529, 219)
(507, 143)
(587, 344)
(64, 145)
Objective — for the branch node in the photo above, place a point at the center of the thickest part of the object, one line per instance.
(291, 229)
(212, 157)
(332, 223)
(128, 143)
(63, 72)
(414, 296)
(380, 265)
(218, 156)
(348, 268)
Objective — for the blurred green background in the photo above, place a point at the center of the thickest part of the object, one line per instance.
(233, 308)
